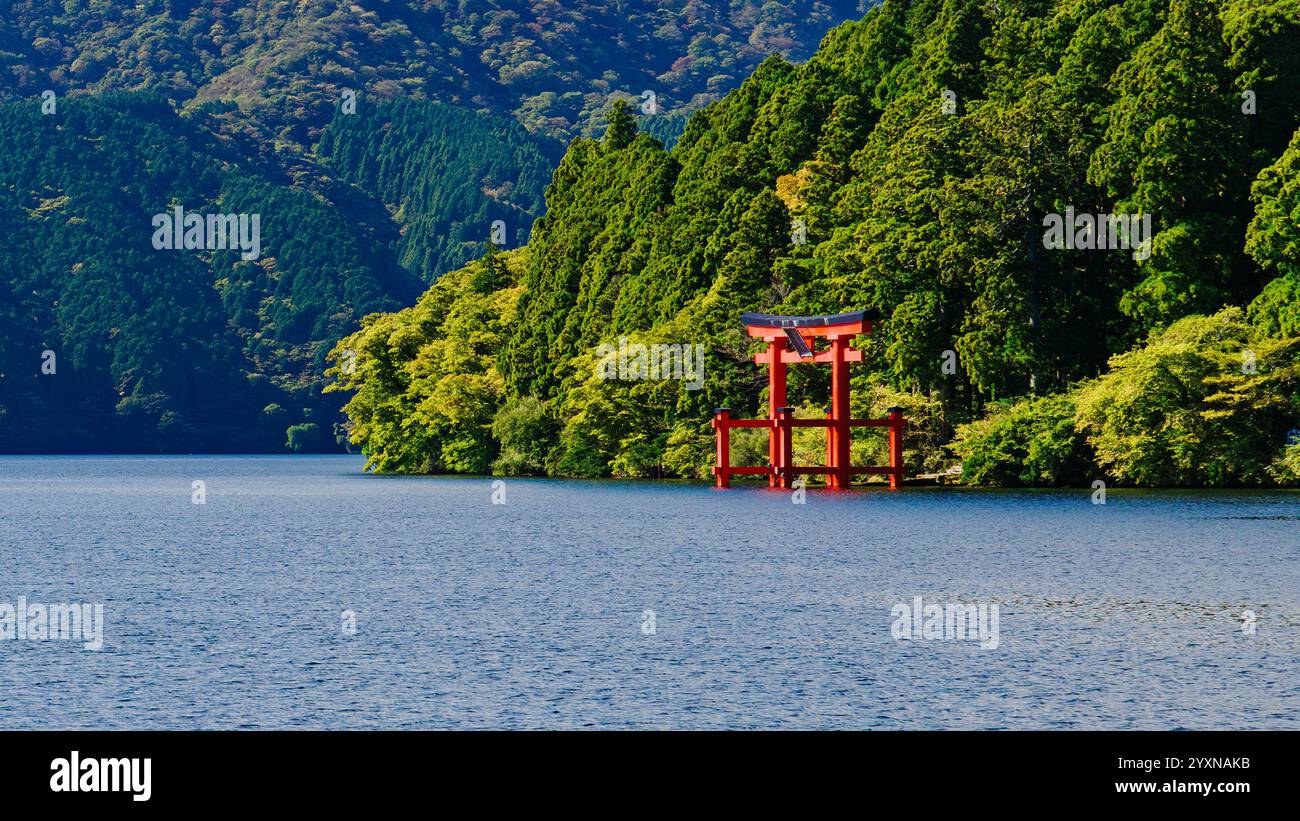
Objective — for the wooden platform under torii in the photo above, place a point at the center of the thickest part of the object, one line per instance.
(794, 340)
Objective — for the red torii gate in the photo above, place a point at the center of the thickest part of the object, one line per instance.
(791, 339)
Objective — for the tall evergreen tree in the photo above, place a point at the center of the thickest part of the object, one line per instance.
(621, 127)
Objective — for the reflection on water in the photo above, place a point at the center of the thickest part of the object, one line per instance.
(532, 613)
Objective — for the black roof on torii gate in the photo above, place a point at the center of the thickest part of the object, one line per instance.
(775, 321)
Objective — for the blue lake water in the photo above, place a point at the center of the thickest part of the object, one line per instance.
(531, 613)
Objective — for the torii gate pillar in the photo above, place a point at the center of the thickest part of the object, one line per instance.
(775, 400)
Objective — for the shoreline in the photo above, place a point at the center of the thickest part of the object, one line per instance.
(926, 481)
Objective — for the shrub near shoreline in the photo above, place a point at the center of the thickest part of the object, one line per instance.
(1208, 402)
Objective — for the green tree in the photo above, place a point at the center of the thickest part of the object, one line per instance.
(1173, 150)
(621, 128)
(525, 432)
(1273, 241)
(304, 438)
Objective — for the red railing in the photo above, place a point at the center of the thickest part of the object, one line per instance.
(781, 470)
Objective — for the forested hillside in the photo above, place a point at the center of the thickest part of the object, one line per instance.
(271, 78)
(922, 152)
(107, 343)
(446, 174)
(552, 65)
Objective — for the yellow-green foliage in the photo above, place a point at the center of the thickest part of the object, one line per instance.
(1026, 443)
(1207, 402)
(425, 379)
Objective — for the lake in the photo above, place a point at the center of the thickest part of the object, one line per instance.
(634, 605)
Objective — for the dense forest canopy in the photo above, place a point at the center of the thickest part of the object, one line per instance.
(447, 175)
(912, 165)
